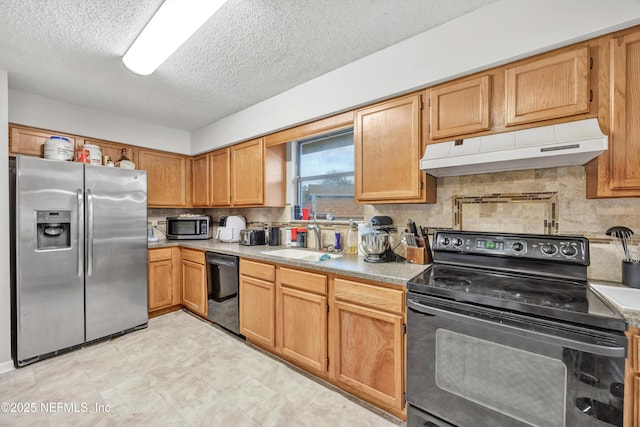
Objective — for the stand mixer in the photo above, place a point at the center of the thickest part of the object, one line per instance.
(375, 240)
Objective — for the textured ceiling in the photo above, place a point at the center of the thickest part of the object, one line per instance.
(250, 50)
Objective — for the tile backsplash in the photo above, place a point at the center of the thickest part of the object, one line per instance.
(532, 201)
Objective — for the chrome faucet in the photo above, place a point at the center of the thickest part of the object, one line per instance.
(318, 234)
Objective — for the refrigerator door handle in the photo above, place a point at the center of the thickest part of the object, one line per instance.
(89, 233)
(80, 201)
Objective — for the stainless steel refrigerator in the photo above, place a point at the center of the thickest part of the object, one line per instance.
(79, 254)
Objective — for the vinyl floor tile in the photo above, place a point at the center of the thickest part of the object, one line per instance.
(180, 371)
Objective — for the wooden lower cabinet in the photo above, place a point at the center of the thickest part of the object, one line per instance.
(257, 303)
(302, 322)
(194, 282)
(632, 380)
(368, 349)
(164, 292)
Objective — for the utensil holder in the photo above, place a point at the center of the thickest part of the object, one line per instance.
(631, 274)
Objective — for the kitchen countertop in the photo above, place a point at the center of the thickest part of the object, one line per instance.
(625, 299)
(348, 265)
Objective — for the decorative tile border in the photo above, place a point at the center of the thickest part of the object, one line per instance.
(535, 212)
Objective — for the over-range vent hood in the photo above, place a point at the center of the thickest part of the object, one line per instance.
(566, 144)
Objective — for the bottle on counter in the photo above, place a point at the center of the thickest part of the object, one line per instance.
(124, 161)
(351, 239)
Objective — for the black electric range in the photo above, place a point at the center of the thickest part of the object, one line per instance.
(503, 329)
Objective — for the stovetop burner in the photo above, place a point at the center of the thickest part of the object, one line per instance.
(527, 274)
(541, 294)
(450, 282)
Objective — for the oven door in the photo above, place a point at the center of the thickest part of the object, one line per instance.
(475, 366)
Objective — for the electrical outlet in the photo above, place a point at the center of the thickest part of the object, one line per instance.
(154, 222)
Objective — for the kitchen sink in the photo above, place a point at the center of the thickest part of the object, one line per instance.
(299, 254)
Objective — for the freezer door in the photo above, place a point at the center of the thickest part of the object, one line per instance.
(49, 280)
(116, 250)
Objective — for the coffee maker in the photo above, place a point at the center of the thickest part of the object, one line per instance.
(375, 242)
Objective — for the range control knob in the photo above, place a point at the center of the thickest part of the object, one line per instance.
(569, 251)
(517, 247)
(457, 242)
(549, 249)
(444, 241)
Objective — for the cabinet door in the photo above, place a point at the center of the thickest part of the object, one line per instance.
(624, 136)
(556, 86)
(369, 352)
(160, 284)
(459, 108)
(303, 318)
(247, 173)
(201, 180)
(166, 178)
(220, 178)
(194, 287)
(257, 311)
(30, 141)
(387, 152)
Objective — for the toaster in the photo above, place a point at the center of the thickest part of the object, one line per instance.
(253, 237)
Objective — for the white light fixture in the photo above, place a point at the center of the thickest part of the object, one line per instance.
(172, 25)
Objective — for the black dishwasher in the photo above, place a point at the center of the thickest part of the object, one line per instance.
(222, 289)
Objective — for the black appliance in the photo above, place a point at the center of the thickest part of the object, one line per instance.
(503, 330)
(223, 290)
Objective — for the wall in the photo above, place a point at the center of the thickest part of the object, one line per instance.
(495, 34)
(47, 113)
(5, 299)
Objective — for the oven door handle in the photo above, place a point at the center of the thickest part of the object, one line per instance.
(600, 350)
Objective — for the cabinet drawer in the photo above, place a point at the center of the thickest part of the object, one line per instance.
(312, 282)
(258, 270)
(160, 254)
(371, 295)
(193, 256)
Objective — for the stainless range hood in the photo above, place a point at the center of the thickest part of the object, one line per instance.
(566, 144)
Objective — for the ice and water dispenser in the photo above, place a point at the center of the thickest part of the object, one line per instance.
(53, 230)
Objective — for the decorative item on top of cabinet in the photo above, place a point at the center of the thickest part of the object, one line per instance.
(194, 281)
(164, 280)
(201, 180)
(112, 149)
(459, 108)
(548, 88)
(166, 177)
(616, 172)
(301, 321)
(368, 342)
(30, 141)
(258, 303)
(388, 149)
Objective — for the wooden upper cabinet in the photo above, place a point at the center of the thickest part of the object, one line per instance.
(220, 182)
(201, 180)
(624, 136)
(166, 178)
(387, 153)
(548, 88)
(459, 108)
(247, 173)
(30, 141)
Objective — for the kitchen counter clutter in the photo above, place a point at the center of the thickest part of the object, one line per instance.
(346, 265)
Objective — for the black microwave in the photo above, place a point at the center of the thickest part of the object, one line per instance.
(189, 227)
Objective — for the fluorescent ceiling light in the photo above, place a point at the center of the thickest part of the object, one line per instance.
(172, 25)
